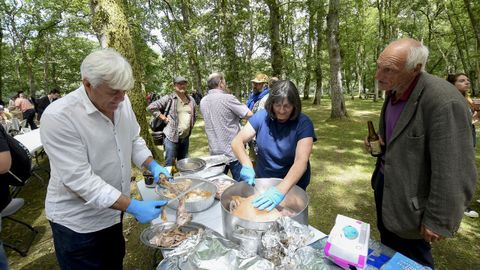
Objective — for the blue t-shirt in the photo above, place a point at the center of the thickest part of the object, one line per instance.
(277, 143)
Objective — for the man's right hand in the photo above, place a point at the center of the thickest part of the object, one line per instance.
(247, 174)
(163, 118)
(145, 211)
(366, 144)
(156, 170)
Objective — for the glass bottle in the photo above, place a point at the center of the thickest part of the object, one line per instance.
(174, 169)
(374, 140)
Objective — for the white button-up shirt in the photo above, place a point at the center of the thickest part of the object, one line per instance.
(90, 160)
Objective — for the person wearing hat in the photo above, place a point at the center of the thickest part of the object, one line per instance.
(256, 101)
(178, 111)
(259, 95)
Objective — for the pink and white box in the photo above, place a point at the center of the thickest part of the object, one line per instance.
(347, 243)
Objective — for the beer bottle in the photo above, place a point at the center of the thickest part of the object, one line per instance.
(174, 169)
(374, 140)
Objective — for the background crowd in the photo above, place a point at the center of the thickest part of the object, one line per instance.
(24, 113)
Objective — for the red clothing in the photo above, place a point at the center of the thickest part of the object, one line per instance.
(406, 94)
(23, 104)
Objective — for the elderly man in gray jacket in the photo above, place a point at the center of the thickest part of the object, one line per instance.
(427, 174)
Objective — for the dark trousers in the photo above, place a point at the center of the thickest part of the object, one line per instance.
(103, 249)
(29, 115)
(174, 151)
(3, 258)
(418, 250)
(235, 167)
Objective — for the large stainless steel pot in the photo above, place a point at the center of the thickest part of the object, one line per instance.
(295, 200)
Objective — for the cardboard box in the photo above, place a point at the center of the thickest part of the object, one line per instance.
(347, 243)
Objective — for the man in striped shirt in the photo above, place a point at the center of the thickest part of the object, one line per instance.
(222, 112)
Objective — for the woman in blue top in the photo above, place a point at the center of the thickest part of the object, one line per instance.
(285, 139)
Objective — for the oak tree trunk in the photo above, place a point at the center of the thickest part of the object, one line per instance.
(112, 29)
(338, 104)
(276, 47)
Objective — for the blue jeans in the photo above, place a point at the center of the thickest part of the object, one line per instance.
(3, 258)
(175, 150)
(235, 167)
(103, 249)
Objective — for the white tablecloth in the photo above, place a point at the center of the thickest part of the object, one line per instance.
(31, 140)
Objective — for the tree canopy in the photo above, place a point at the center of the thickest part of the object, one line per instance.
(44, 41)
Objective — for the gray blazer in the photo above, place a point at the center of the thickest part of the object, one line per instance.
(430, 172)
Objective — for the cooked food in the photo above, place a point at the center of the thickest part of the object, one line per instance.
(173, 190)
(242, 207)
(183, 217)
(164, 214)
(175, 187)
(221, 186)
(194, 195)
(172, 238)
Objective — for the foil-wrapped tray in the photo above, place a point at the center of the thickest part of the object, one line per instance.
(211, 251)
(216, 160)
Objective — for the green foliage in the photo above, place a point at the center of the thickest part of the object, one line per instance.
(54, 32)
(46, 39)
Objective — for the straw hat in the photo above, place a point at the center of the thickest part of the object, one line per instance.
(179, 79)
(260, 78)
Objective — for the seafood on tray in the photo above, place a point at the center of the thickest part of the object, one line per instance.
(173, 237)
(194, 195)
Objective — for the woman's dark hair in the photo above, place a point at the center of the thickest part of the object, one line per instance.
(281, 90)
(452, 78)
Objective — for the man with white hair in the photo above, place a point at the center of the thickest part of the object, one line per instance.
(426, 175)
(91, 137)
(222, 112)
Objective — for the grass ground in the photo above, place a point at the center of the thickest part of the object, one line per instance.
(340, 185)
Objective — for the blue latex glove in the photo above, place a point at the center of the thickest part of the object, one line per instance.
(247, 174)
(145, 211)
(156, 170)
(268, 199)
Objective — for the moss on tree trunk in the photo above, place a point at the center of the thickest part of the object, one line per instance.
(112, 29)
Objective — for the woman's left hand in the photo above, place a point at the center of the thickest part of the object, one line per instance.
(268, 199)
